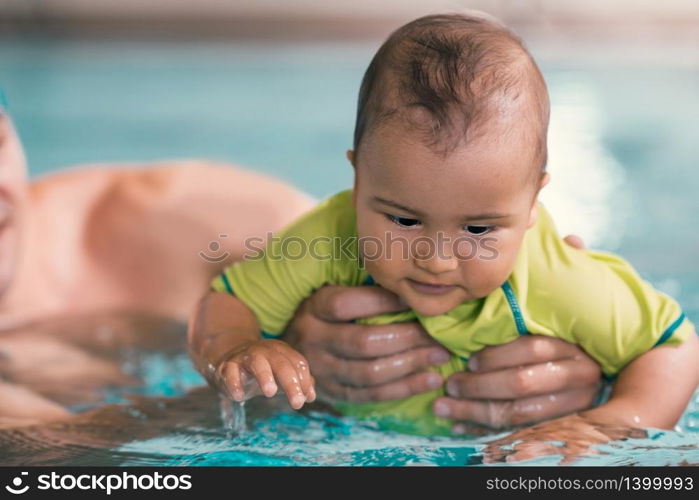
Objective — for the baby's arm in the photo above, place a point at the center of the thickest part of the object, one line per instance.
(654, 389)
(600, 302)
(225, 345)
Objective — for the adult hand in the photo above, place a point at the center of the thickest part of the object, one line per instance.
(529, 380)
(569, 436)
(363, 363)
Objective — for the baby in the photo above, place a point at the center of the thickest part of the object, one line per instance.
(449, 158)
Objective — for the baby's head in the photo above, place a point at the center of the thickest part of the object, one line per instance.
(449, 157)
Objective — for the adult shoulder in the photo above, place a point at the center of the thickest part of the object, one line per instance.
(180, 199)
(154, 227)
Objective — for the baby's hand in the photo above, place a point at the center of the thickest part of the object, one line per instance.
(270, 363)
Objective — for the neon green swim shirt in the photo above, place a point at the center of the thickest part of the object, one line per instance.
(593, 299)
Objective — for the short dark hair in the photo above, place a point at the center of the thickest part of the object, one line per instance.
(451, 67)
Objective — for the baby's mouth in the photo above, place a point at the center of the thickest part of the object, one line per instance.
(430, 288)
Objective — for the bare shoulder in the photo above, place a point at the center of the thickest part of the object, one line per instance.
(173, 210)
(137, 229)
(177, 177)
(190, 185)
(225, 184)
(199, 189)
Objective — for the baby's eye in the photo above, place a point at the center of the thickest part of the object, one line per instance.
(403, 221)
(478, 230)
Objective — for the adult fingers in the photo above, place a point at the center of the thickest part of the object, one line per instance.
(342, 303)
(519, 452)
(575, 241)
(500, 414)
(355, 341)
(307, 332)
(379, 371)
(406, 387)
(526, 350)
(525, 381)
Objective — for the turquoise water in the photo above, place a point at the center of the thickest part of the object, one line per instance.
(317, 438)
(171, 420)
(623, 160)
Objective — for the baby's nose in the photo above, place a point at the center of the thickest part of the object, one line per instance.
(437, 261)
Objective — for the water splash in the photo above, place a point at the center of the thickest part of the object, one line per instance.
(168, 421)
(232, 417)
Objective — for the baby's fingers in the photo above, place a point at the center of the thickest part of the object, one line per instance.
(232, 380)
(300, 364)
(288, 378)
(261, 369)
(311, 393)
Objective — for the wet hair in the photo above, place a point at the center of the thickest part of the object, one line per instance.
(447, 76)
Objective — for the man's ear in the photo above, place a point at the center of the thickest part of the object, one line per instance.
(534, 211)
(350, 157)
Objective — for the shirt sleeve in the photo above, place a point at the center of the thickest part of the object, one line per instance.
(598, 301)
(298, 260)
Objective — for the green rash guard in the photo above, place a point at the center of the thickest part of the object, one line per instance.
(593, 299)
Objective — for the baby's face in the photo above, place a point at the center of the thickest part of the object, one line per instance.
(439, 231)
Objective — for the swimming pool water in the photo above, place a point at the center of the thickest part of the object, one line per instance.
(317, 438)
(171, 420)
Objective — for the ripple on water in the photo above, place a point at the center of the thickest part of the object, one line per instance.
(169, 421)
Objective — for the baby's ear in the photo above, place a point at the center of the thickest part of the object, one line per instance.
(534, 211)
(350, 157)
